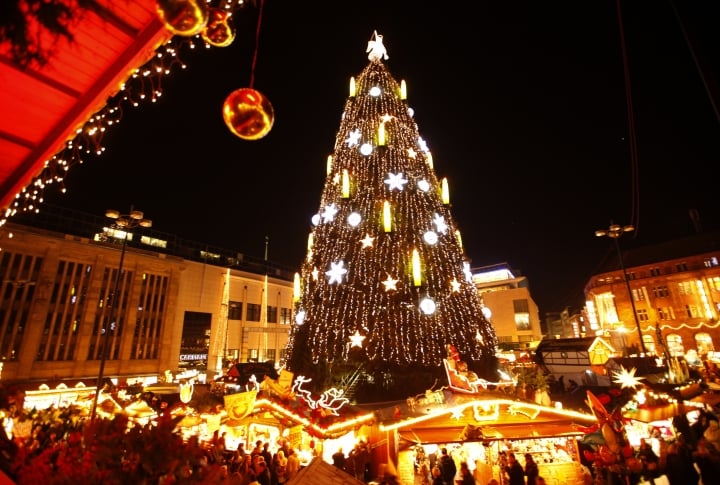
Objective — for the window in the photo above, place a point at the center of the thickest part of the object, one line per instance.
(681, 267)
(675, 345)
(522, 314)
(235, 310)
(691, 311)
(649, 344)
(642, 315)
(665, 313)
(638, 294)
(714, 283)
(286, 316)
(710, 262)
(685, 288)
(661, 291)
(253, 354)
(270, 354)
(272, 314)
(655, 272)
(253, 312)
(704, 343)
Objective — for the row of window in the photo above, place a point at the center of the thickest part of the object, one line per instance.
(253, 313)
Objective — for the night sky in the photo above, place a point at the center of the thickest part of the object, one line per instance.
(522, 104)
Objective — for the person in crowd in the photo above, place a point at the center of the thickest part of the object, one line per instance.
(447, 467)
(465, 475)
(679, 468)
(266, 454)
(707, 458)
(424, 473)
(540, 481)
(514, 471)
(531, 469)
(279, 471)
(293, 464)
(338, 459)
(259, 470)
(437, 476)
(650, 461)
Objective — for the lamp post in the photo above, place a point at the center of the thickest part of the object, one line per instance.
(614, 231)
(122, 223)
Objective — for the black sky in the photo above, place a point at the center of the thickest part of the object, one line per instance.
(522, 104)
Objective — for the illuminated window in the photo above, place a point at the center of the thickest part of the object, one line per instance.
(675, 345)
(665, 313)
(686, 287)
(704, 343)
(692, 311)
(649, 344)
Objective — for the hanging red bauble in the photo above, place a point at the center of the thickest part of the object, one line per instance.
(183, 17)
(248, 114)
(219, 32)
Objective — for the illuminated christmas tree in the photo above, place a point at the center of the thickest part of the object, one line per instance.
(385, 286)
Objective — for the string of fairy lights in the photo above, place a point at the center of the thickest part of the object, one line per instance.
(385, 268)
(210, 27)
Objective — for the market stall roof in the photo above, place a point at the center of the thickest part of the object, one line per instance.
(658, 413)
(44, 105)
(486, 417)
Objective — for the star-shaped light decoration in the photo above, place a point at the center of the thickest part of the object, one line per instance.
(386, 117)
(423, 144)
(336, 272)
(356, 339)
(336, 178)
(367, 241)
(458, 414)
(390, 283)
(627, 378)
(329, 213)
(315, 273)
(455, 285)
(395, 181)
(411, 153)
(354, 138)
(440, 223)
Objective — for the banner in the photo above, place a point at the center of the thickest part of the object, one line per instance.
(240, 404)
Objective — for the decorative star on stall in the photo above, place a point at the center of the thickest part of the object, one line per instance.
(440, 223)
(455, 285)
(395, 181)
(354, 138)
(336, 272)
(458, 414)
(329, 213)
(367, 241)
(356, 340)
(627, 378)
(390, 283)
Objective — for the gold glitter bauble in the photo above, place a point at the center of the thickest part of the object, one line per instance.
(183, 17)
(248, 114)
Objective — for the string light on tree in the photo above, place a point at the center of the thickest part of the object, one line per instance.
(403, 279)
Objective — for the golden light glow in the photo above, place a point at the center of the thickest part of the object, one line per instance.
(403, 90)
(381, 134)
(352, 87)
(627, 378)
(296, 287)
(387, 217)
(345, 184)
(445, 191)
(329, 164)
(417, 271)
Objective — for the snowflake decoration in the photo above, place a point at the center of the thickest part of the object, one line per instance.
(353, 139)
(336, 272)
(328, 214)
(440, 223)
(395, 181)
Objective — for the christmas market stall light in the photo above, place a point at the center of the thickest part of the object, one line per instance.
(190, 25)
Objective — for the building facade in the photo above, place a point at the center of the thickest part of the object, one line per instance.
(157, 305)
(508, 305)
(671, 298)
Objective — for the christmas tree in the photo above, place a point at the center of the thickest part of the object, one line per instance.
(385, 287)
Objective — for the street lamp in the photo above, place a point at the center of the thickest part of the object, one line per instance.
(123, 223)
(614, 231)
